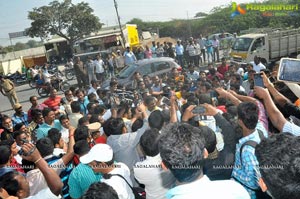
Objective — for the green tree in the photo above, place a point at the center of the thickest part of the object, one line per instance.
(20, 46)
(64, 19)
(200, 14)
(33, 43)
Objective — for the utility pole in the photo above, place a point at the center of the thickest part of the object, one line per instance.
(122, 35)
(189, 24)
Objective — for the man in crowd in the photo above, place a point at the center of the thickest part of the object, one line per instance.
(80, 73)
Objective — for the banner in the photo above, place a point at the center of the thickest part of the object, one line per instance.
(133, 36)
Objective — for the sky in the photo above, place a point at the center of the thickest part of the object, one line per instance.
(13, 15)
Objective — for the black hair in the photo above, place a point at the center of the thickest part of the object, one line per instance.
(181, 147)
(94, 118)
(31, 97)
(113, 126)
(205, 98)
(279, 160)
(81, 147)
(91, 96)
(82, 120)
(35, 113)
(100, 190)
(149, 99)
(18, 126)
(81, 133)
(17, 133)
(210, 139)
(248, 113)
(136, 125)
(63, 117)
(79, 91)
(45, 146)
(149, 142)
(46, 111)
(156, 120)
(99, 109)
(90, 107)
(5, 154)
(75, 107)
(54, 136)
(10, 183)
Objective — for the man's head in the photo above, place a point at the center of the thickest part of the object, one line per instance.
(150, 102)
(149, 142)
(223, 60)
(37, 116)
(19, 136)
(75, 107)
(5, 155)
(18, 108)
(256, 59)
(100, 158)
(156, 120)
(100, 190)
(68, 95)
(80, 94)
(15, 184)
(247, 115)
(33, 100)
(53, 93)
(191, 68)
(55, 137)
(7, 123)
(49, 115)
(279, 160)
(45, 146)
(81, 147)
(114, 126)
(182, 150)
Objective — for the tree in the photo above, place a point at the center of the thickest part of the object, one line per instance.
(64, 19)
(200, 14)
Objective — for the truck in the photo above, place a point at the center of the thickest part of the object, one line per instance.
(270, 46)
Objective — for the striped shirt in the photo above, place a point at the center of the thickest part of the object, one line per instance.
(80, 179)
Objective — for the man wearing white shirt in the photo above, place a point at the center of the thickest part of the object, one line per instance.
(202, 43)
(99, 68)
(257, 65)
(149, 172)
(216, 45)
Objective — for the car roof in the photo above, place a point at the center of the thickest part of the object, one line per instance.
(152, 60)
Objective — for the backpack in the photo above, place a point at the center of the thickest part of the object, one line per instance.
(258, 192)
(138, 192)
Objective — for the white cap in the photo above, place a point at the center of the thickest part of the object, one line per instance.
(94, 127)
(99, 153)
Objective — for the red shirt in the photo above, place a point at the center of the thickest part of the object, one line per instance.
(222, 69)
(53, 103)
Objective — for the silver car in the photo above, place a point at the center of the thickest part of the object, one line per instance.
(151, 67)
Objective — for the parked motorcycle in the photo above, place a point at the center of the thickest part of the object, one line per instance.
(69, 72)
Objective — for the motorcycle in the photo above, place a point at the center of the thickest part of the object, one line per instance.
(69, 72)
(17, 77)
(57, 82)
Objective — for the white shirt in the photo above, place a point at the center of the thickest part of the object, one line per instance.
(45, 194)
(191, 50)
(118, 183)
(99, 66)
(258, 67)
(93, 90)
(204, 188)
(156, 180)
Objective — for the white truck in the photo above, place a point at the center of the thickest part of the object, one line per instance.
(270, 46)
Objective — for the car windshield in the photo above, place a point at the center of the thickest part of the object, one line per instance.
(126, 72)
(242, 44)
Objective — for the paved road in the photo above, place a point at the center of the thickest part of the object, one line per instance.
(23, 93)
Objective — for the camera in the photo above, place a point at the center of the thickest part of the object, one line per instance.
(199, 110)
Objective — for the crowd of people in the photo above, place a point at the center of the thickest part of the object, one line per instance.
(188, 134)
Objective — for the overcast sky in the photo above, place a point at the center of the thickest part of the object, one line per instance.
(13, 14)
